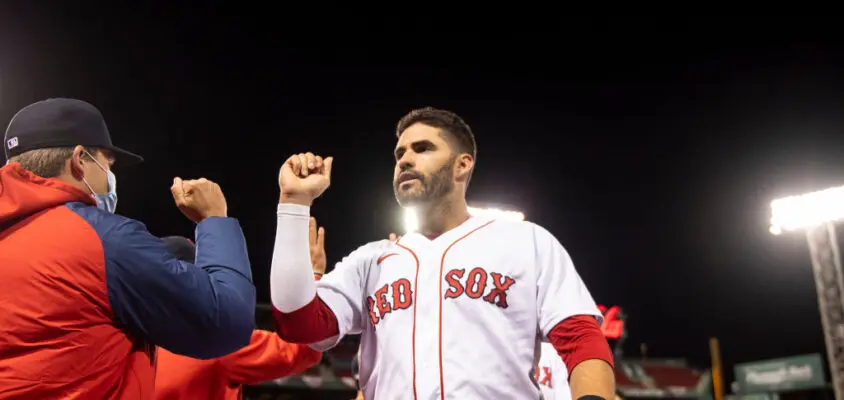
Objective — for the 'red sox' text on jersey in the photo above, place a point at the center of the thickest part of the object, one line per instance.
(458, 316)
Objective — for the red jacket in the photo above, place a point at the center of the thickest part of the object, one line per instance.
(267, 357)
(86, 295)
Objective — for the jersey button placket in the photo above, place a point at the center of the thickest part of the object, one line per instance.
(427, 325)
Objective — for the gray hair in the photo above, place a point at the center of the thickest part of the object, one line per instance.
(48, 162)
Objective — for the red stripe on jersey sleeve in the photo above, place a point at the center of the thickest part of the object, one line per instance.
(312, 323)
(579, 338)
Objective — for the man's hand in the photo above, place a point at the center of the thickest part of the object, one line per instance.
(303, 178)
(393, 237)
(199, 199)
(317, 242)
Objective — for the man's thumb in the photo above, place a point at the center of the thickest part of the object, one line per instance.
(328, 163)
(177, 189)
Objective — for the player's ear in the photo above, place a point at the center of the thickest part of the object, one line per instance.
(75, 162)
(463, 170)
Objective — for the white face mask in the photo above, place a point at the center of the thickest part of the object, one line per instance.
(106, 202)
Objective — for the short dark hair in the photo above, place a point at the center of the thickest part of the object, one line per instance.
(455, 129)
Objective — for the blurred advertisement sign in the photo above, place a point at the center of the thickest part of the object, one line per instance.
(799, 372)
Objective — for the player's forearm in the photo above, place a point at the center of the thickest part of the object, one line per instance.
(309, 324)
(291, 276)
(587, 355)
(592, 377)
(312, 323)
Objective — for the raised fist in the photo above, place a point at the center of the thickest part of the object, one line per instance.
(199, 199)
(304, 177)
(393, 237)
(317, 245)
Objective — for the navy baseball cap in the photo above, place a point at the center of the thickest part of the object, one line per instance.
(61, 123)
(181, 247)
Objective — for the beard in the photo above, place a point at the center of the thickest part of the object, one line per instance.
(430, 190)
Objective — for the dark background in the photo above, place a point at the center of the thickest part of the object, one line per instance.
(650, 146)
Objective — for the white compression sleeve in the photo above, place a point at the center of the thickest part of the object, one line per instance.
(292, 284)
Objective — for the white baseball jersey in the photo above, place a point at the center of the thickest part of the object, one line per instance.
(552, 374)
(456, 317)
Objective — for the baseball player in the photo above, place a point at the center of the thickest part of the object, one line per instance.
(551, 374)
(455, 310)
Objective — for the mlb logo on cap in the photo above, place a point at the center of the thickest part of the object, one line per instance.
(12, 143)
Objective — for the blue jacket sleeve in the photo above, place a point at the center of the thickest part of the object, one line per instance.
(202, 311)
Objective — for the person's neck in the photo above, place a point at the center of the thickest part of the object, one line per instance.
(68, 178)
(442, 217)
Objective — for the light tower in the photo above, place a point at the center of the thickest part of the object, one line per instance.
(816, 213)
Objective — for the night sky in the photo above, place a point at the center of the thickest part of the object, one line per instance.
(651, 147)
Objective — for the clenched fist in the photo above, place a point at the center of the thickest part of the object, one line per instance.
(199, 199)
(303, 178)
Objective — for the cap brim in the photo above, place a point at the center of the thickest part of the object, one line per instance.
(126, 158)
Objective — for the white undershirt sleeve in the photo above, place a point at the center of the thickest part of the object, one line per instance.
(291, 275)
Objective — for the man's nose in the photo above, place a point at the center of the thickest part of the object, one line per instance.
(406, 162)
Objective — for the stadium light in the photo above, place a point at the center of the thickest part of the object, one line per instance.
(816, 213)
(807, 210)
(411, 221)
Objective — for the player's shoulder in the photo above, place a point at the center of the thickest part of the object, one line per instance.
(539, 231)
(113, 228)
(511, 225)
(373, 249)
(521, 228)
(526, 232)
